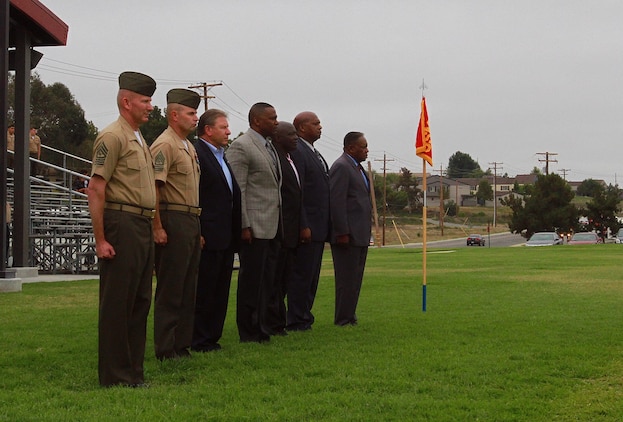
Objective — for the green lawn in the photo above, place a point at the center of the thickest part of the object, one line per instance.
(510, 334)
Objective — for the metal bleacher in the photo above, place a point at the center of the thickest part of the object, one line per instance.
(61, 235)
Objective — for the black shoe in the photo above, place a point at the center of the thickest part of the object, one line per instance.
(138, 385)
(182, 354)
(280, 333)
(299, 328)
(211, 347)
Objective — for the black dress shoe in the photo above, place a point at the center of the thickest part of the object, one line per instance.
(138, 385)
(299, 328)
(183, 353)
(211, 347)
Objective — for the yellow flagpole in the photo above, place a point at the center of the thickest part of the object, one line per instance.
(424, 238)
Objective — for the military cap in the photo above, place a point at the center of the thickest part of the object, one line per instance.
(137, 82)
(184, 97)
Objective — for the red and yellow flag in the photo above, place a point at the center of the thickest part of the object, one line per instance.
(423, 147)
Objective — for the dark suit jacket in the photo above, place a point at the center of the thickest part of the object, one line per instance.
(220, 208)
(290, 203)
(351, 209)
(315, 183)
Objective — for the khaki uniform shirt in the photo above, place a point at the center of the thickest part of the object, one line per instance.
(125, 165)
(34, 145)
(176, 164)
(10, 141)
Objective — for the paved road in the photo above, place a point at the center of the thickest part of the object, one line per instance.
(494, 241)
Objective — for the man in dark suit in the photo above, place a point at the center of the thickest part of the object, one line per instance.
(254, 161)
(219, 198)
(351, 218)
(285, 142)
(315, 222)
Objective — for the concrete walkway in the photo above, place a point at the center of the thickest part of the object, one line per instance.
(49, 278)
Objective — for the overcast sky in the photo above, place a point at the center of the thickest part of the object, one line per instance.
(506, 80)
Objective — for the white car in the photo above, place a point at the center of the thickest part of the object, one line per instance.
(544, 239)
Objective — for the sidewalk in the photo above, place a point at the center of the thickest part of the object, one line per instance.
(49, 278)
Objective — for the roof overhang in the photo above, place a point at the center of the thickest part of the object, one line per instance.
(46, 29)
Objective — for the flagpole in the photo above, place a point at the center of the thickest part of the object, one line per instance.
(424, 150)
(424, 212)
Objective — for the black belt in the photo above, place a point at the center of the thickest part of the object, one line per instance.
(145, 212)
(183, 208)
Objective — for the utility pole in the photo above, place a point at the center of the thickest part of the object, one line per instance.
(547, 160)
(441, 210)
(385, 160)
(374, 207)
(495, 188)
(205, 95)
(564, 173)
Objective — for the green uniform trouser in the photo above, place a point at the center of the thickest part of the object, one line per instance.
(177, 266)
(125, 298)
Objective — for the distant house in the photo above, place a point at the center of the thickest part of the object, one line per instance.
(463, 190)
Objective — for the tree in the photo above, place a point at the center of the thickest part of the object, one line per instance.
(407, 183)
(547, 208)
(462, 165)
(602, 209)
(156, 124)
(590, 188)
(484, 192)
(58, 117)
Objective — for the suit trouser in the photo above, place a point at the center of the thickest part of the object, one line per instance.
(125, 298)
(304, 284)
(177, 265)
(213, 283)
(349, 263)
(275, 320)
(257, 270)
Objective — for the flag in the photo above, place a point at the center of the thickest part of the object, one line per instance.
(423, 147)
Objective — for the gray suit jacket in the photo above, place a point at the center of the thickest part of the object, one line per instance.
(259, 182)
(351, 209)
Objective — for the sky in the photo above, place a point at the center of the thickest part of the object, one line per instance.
(506, 81)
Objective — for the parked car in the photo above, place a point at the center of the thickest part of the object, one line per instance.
(544, 239)
(475, 240)
(585, 238)
(619, 236)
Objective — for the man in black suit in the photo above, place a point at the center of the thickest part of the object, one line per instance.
(315, 222)
(219, 198)
(285, 142)
(351, 219)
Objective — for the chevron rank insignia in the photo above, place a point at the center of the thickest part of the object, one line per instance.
(159, 162)
(100, 155)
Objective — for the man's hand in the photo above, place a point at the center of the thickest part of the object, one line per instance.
(247, 235)
(104, 250)
(305, 235)
(160, 236)
(343, 239)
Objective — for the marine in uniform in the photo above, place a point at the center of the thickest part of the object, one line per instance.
(177, 231)
(34, 149)
(122, 200)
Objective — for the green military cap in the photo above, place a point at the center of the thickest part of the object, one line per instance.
(184, 97)
(137, 82)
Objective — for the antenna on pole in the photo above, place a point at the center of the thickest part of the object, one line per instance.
(423, 87)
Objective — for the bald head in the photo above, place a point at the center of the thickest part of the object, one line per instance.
(286, 138)
(308, 126)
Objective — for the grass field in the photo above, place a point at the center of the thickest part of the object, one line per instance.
(510, 334)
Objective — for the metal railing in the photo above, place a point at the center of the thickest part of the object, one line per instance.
(61, 235)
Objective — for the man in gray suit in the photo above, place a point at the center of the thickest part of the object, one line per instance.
(255, 165)
(351, 219)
